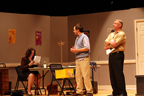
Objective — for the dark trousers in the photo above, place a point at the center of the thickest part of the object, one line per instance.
(116, 73)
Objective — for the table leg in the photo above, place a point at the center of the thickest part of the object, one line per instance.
(43, 79)
(43, 75)
(94, 90)
(37, 86)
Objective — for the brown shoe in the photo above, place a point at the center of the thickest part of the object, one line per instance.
(89, 94)
(76, 94)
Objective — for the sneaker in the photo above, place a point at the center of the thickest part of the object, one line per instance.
(89, 94)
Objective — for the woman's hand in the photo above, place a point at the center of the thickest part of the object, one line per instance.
(31, 63)
(38, 64)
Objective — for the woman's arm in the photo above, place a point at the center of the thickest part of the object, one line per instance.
(25, 64)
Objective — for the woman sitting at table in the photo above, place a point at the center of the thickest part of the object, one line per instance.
(26, 63)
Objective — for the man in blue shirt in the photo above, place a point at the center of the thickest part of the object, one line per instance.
(82, 52)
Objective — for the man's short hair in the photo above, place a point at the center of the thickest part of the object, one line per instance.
(78, 26)
(120, 22)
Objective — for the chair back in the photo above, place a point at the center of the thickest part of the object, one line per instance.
(20, 78)
(18, 68)
(19, 73)
(54, 67)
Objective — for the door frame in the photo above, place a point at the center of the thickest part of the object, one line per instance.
(136, 44)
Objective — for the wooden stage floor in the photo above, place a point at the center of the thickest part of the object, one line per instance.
(100, 93)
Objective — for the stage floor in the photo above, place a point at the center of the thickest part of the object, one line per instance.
(108, 92)
(100, 93)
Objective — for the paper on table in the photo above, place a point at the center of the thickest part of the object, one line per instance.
(108, 51)
(37, 59)
(72, 66)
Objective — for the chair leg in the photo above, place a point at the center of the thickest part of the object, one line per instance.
(72, 85)
(45, 91)
(61, 86)
(25, 87)
(16, 86)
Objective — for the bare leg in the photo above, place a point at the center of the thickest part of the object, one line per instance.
(39, 80)
(30, 82)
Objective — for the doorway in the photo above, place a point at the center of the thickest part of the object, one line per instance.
(139, 47)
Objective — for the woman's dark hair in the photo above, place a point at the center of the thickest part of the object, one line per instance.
(29, 51)
(78, 26)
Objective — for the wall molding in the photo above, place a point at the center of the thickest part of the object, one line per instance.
(132, 61)
(12, 64)
(108, 87)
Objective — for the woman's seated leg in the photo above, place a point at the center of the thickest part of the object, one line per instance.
(30, 78)
(39, 80)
